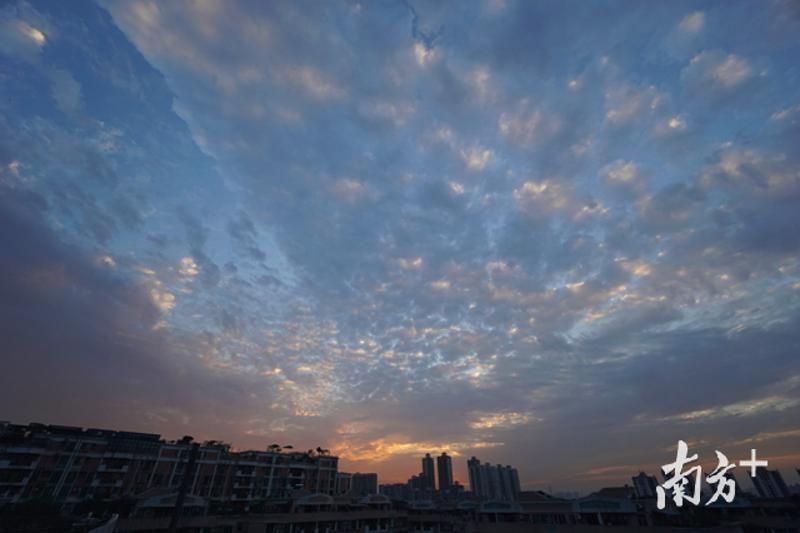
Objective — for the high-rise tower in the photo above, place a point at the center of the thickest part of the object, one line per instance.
(428, 482)
(445, 467)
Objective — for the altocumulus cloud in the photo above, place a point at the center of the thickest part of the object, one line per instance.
(503, 229)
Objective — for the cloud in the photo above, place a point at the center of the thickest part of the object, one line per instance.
(23, 33)
(525, 127)
(542, 197)
(672, 127)
(476, 158)
(714, 70)
(693, 22)
(674, 206)
(784, 114)
(188, 268)
(245, 235)
(197, 235)
(750, 408)
(71, 321)
(625, 103)
(424, 55)
(66, 91)
(391, 229)
(350, 191)
(484, 420)
(624, 175)
(313, 82)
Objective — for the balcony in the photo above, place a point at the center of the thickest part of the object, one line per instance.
(106, 483)
(21, 483)
(7, 464)
(107, 468)
(25, 449)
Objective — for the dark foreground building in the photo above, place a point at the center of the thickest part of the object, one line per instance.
(535, 512)
(51, 477)
(69, 465)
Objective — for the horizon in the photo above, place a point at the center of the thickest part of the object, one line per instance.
(556, 235)
(616, 480)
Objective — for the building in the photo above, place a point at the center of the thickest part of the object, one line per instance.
(344, 482)
(490, 482)
(477, 484)
(608, 510)
(395, 491)
(310, 513)
(509, 481)
(429, 481)
(444, 465)
(456, 490)
(770, 484)
(364, 484)
(71, 465)
(644, 485)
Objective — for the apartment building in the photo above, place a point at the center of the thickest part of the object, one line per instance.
(72, 464)
(496, 482)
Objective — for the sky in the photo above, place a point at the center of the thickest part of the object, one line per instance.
(556, 235)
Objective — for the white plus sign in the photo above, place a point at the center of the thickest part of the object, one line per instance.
(753, 464)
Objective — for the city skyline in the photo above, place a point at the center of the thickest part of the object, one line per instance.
(143, 477)
(555, 235)
(640, 482)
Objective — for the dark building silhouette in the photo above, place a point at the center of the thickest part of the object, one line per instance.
(429, 481)
(69, 465)
(490, 482)
(445, 467)
(343, 482)
(644, 485)
(162, 486)
(364, 484)
(770, 484)
(395, 491)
